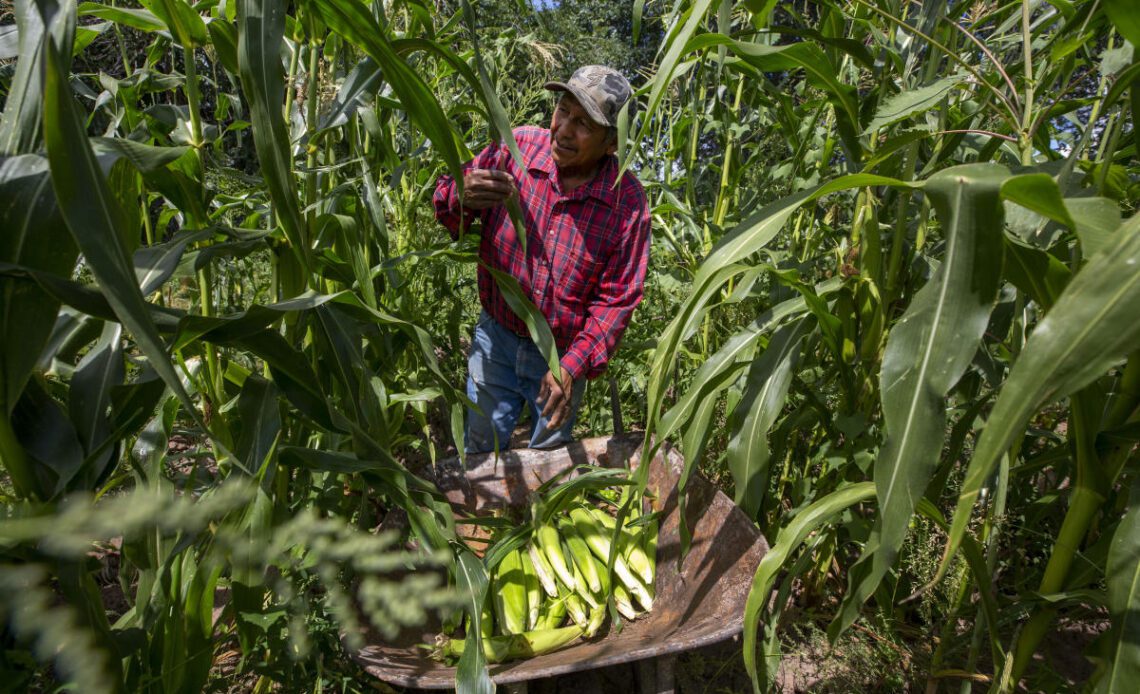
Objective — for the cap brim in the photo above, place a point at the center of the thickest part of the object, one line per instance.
(587, 103)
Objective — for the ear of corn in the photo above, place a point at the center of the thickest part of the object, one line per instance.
(624, 602)
(551, 545)
(552, 614)
(594, 533)
(560, 577)
(510, 594)
(543, 569)
(583, 589)
(527, 644)
(577, 610)
(580, 554)
(533, 589)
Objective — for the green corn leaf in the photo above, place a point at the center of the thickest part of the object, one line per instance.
(525, 309)
(471, 676)
(1127, 79)
(1123, 578)
(261, 28)
(135, 18)
(801, 55)
(927, 352)
(674, 47)
(913, 102)
(354, 22)
(767, 386)
(1123, 14)
(9, 41)
(35, 236)
(22, 120)
(790, 538)
(48, 439)
(183, 22)
(90, 395)
(638, 11)
(154, 265)
(1038, 192)
(1093, 325)
(224, 40)
(1036, 273)
(94, 221)
(500, 122)
(1097, 219)
(259, 416)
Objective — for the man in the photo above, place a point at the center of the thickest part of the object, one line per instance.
(583, 266)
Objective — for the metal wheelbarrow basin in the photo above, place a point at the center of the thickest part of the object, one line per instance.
(699, 603)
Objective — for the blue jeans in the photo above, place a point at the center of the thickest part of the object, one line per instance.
(504, 372)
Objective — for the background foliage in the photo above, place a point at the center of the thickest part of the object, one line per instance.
(892, 309)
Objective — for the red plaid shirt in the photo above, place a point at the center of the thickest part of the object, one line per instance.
(586, 251)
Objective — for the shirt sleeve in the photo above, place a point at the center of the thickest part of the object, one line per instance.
(620, 289)
(448, 211)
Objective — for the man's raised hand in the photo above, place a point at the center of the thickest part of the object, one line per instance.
(485, 188)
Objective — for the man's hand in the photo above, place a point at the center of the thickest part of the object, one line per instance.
(555, 399)
(485, 188)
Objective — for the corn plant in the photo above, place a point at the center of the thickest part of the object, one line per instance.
(222, 242)
(941, 257)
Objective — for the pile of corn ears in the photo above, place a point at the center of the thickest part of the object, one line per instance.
(552, 589)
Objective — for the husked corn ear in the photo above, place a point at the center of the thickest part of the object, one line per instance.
(502, 648)
(598, 540)
(583, 591)
(543, 569)
(551, 545)
(580, 553)
(635, 555)
(577, 610)
(624, 602)
(597, 616)
(510, 594)
(552, 614)
(533, 589)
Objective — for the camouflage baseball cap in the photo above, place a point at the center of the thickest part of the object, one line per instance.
(602, 91)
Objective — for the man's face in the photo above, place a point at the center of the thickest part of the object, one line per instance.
(576, 141)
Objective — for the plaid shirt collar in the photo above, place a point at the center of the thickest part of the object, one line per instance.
(601, 187)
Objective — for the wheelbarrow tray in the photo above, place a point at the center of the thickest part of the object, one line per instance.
(697, 604)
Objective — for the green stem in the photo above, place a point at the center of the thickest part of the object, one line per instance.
(1025, 139)
(311, 100)
(898, 238)
(1087, 498)
(193, 99)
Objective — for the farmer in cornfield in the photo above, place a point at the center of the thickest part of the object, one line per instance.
(583, 263)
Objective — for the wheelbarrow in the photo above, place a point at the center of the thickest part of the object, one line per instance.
(698, 603)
